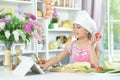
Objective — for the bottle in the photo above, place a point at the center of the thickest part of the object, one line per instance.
(7, 61)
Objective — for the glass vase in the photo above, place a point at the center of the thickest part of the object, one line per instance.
(7, 55)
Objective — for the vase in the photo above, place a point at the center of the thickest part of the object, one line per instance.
(55, 25)
(7, 55)
(50, 26)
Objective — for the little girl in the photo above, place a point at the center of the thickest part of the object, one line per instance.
(85, 47)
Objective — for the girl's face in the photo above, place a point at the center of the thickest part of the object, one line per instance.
(79, 31)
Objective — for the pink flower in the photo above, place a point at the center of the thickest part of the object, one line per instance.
(4, 20)
(37, 36)
(55, 14)
(31, 16)
(20, 11)
(28, 27)
(38, 32)
(36, 23)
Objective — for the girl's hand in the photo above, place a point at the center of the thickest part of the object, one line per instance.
(43, 66)
(98, 35)
(95, 38)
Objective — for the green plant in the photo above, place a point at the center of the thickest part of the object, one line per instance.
(54, 20)
(55, 17)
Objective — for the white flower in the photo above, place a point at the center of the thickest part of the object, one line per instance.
(20, 17)
(18, 33)
(2, 25)
(5, 11)
(22, 35)
(8, 17)
(7, 34)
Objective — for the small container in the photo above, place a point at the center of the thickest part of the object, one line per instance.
(18, 53)
(7, 60)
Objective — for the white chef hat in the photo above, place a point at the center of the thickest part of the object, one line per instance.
(84, 19)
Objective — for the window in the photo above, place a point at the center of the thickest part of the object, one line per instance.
(111, 38)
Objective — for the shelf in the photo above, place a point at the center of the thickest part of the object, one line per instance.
(43, 34)
(41, 51)
(24, 52)
(66, 8)
(39, 1)
(67, 30)
(19, 44)
(56, 50)
(40, 18)
(15, 2)
(28, 52)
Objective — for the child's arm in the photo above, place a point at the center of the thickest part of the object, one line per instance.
(94, 52)
(94, 56)
(55, 59)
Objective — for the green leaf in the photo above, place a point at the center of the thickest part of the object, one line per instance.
(104, 71)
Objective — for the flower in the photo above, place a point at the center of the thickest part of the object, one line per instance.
(55, 17)
(55, 14)
(18, 26)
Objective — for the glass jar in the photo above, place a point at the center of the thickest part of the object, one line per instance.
(7, 55)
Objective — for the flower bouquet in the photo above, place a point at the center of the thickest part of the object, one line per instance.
(18, 26)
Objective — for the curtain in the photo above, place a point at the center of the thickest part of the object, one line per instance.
(96, 9)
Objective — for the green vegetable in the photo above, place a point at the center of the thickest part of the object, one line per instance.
(110, 65)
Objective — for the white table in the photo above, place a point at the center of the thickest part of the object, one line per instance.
(57, 76)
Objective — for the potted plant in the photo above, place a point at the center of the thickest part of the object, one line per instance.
(17, 26)
(54, 20)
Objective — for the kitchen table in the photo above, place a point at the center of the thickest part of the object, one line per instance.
(58, 76)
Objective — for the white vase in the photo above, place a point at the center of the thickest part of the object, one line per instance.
(55, 25)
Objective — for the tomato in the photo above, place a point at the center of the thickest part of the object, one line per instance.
(14, 66)
(99, 68)
(98, 35)
(43, 61)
